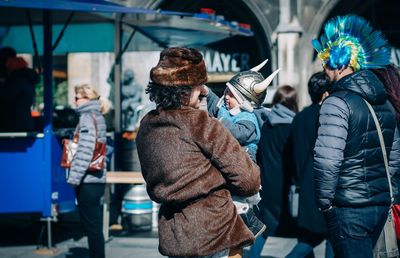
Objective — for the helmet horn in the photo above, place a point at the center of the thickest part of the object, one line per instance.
(262, 86)
(258, 67)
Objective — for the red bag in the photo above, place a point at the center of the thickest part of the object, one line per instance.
(396, 219)
(69, 149)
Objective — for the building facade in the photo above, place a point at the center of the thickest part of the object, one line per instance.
(284, 30)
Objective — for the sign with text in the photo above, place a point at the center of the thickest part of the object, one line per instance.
(217, 62)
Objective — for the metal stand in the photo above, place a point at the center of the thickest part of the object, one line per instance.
(42, 249)
(49, 236)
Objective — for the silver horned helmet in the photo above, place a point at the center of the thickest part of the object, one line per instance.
(251, 84)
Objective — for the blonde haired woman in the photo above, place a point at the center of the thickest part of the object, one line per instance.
(89, 186)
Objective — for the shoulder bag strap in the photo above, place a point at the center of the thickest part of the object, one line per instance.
(378, 128)
(76, 134)
(95, 124)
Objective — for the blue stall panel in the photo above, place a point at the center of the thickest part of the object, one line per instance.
(31, 179)
(22, 175)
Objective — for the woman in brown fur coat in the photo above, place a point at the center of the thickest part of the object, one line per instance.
(191, 162)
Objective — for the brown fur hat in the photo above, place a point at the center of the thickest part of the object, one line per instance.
(179, 67)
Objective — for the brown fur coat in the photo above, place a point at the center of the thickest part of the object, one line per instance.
(190, 163)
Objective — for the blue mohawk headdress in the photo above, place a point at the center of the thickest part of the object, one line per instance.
(351, 41)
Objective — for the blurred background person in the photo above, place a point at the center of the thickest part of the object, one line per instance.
(17, 92)
(89, 185)
(304, 130)
(275, 159)
(5, 54)
(131, 93)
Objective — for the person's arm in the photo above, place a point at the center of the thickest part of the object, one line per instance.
(329, 148)
(394, 165)
(243, 130)
(241, 174)
(212, 101)
(84, 153)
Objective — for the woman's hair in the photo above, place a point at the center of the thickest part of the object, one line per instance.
(287, 96)
(89, 92)
(390, 78)
(169, 97)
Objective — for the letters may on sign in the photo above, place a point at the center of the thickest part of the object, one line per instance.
(221, 62)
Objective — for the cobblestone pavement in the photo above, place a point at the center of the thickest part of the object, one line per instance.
(19, 239)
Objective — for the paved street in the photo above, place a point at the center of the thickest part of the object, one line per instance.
(18, 239)
(134, 246)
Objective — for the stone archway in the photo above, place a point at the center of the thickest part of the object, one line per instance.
(306, 50)
(382, 16)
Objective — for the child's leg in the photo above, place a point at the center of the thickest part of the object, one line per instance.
(241, 204)
(257, 247)
(248, 216)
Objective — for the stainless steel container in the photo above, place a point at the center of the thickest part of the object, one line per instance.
(137, 209)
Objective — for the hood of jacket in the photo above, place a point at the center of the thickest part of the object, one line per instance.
(364, 83)
(280, 115)
(91, 106)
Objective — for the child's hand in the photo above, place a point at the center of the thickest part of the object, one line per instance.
(205, 91)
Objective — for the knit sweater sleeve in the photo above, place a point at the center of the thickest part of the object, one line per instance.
(84, 153)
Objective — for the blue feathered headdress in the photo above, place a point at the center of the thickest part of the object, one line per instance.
(351, 41)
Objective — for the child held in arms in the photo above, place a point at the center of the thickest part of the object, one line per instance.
(240, 111)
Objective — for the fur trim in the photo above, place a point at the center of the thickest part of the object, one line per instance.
(179, 67)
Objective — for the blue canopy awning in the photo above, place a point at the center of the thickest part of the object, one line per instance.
(166, 28)
(90, 37)
(81, 6)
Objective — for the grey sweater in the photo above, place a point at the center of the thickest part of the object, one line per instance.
(86, 143)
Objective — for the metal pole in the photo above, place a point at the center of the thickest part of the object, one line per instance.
(48, 111)
(48, 70)
(49, 240)
(117, 74)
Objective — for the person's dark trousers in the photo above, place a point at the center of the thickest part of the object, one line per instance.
(306, 242)
(353, 232)
(88, 196)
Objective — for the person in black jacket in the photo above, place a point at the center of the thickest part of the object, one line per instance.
(17, 95)
(304, 134)
(351, 185)
(273, 154)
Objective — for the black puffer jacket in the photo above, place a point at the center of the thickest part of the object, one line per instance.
(348, 162)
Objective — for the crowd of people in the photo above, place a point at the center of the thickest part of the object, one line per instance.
(222, 175)
(209, 168)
